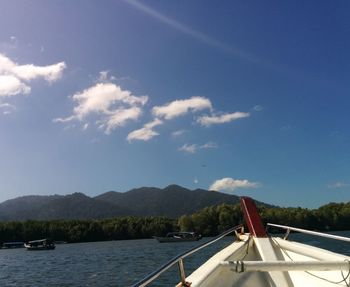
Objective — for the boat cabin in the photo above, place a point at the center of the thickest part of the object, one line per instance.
(42, 244)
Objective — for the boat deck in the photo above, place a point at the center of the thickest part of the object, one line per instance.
(214, 273)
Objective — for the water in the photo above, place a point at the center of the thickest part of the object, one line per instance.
(115, 263)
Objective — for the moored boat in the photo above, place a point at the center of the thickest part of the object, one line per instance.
(42, 244)
(181, 236)
(259, 259)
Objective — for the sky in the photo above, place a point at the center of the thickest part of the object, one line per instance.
(243, 97)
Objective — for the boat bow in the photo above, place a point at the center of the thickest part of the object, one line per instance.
(257, 259)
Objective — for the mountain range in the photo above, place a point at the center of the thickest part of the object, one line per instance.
(172, 201)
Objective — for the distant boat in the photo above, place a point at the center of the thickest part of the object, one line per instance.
(10, 245)
(181, 236)
(42, 244)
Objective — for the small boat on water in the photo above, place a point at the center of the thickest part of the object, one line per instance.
(259, 259)
(181, 236)
(42, 244)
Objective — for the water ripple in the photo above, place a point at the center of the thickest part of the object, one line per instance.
(113, 263)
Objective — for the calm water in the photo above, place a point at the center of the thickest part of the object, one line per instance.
(114, 263)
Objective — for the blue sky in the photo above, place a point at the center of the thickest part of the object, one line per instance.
(244, 97)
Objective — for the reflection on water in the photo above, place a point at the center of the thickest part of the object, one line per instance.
(115, 263)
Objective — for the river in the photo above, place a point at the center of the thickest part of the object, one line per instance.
(114, 263)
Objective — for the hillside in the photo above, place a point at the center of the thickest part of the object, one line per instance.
(172, 201)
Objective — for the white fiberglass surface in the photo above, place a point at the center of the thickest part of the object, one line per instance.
(213, 274)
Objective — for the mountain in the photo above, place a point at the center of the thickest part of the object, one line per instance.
(24, 207)
(172, 201)
(80, 206)
(73, 206)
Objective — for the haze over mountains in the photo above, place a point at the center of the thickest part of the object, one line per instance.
(172, 201)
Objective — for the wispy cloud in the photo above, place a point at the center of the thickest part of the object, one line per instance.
(221, 119)
(10, 44)
(103, 76)
(181, 107)
(193, 148)
(118, 118)
(230, 184)
(112, 105)
(258, 108)
(15, 78)
(209, 145)
(146, 133)
(189, 148)
(178, 133)
(7, 108)
(338, 184)
(210, 41)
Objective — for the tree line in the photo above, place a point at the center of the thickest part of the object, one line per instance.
(209, 221)
(214, 220)
(86, 230)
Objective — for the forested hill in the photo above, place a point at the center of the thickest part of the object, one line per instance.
(172, 201)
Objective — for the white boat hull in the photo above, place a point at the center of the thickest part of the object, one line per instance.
(216, 272)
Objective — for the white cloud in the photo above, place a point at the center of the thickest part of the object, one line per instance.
(100, 98)
(6, 65)
(220, 119)
(230, 184)
(120, 116)
(142, 134)
(30, 72)
(195, 181)
(193, 148)
(15, 78)
(181, 107)
(146, 133)
(338, 184)
(112, 106)
(11, 86)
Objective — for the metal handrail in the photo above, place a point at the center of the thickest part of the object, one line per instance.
(178, 259)
(326, 235)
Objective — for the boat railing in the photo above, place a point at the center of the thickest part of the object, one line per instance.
(179, 259)
(305, 231)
